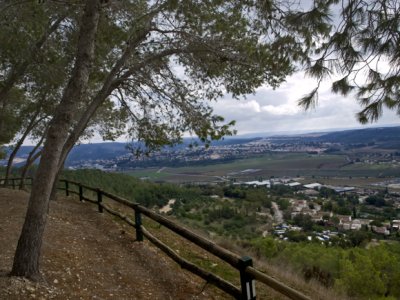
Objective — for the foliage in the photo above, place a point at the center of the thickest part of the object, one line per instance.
(234, 192)
(146, 193)
(327, 193)
(359, 237)
(361, 47)
(217, 45)
(359, 272)
(281, 189)
(304, 221)
(267, 247)
(283, 203)
(376, 200)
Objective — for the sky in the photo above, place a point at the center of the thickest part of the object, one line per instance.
(274, 111)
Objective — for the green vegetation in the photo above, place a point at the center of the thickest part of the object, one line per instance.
(146, 193)
(360, 272)
(344, 263)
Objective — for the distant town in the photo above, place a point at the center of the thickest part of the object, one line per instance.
(312, 206)
(224, 153)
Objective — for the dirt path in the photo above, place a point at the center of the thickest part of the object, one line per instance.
(278, 216)
(87, 255)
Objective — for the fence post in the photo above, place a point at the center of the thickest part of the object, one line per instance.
(247, 281)
(138, 226)
(66, 188)
(13, 183)
(80, 193)
(99, 200)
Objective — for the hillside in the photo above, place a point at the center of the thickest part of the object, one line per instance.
(387, 137)
(88, 256)
(91, 255)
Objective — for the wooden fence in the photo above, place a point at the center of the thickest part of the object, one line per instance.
(248, 274)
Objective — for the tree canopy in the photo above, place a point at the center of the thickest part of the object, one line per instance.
(361, 49)
(162, 62)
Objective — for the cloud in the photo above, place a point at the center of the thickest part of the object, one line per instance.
(281, 110)
(271, 110)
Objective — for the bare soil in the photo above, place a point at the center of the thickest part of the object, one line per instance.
(87, 255)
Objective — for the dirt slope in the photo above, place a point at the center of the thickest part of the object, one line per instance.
(87, 255)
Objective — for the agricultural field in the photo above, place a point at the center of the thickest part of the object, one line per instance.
(335, 168)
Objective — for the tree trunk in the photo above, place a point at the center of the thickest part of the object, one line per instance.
(31, 159)
(110, 83)
(27, 255)
(53, 195)
(28, 129)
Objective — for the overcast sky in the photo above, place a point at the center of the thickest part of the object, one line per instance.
(273, 111)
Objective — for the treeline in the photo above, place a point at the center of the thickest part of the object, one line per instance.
(146, 193)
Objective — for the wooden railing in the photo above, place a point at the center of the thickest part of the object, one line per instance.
(248, 274)
(15, 182)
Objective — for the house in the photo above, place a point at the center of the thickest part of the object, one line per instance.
(319, 216)
(314, 185)
(308, 211)
(380, 230)
(345, 225)
(266, 183)
(344, 219)
(317, 207)
(396, 225)
(300, 204)
(344, 222)
(356, 224)
(294, 184)
(365, 222)
(341, 189)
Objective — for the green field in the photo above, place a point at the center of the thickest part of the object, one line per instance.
(271, 165)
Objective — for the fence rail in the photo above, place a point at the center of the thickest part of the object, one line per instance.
(15, 182)
(248, 274)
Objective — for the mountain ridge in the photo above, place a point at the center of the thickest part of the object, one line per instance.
(383, 137)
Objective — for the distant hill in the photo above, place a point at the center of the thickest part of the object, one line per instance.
(106, 151)
(97, 151)
(382, 137)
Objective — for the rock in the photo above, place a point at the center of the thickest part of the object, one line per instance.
(30, 288)
(55, 281)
